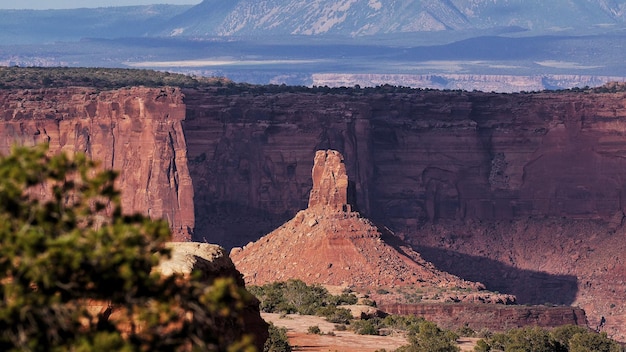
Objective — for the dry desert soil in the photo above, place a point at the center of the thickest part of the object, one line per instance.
(344, 341)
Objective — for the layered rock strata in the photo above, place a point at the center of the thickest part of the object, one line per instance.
(496, 318)
(523, 192)
(328, 243)
(135, 131)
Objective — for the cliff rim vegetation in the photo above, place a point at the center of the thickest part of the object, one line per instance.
(15, 77)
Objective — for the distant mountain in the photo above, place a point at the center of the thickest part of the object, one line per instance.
(305, 42)
(359, 18)
(46, 26)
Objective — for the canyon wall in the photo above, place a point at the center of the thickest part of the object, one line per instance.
(523, 192)
(136, 131)
(414, 158)
(496, 317)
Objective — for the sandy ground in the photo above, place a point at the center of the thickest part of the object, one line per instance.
(345, 341)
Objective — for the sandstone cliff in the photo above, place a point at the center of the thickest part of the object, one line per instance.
(414, 158)
(492, 317)
(523, 192)
(136, 131)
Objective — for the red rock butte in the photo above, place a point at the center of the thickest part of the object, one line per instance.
(329, 243)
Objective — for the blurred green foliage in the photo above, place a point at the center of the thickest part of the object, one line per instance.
(66, 245)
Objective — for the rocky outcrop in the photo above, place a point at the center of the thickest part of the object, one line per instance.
(136, 131)
(213, 262)
(330, 183)
(328, 243)
(495, 318)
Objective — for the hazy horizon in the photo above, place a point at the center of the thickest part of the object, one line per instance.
(72, 4)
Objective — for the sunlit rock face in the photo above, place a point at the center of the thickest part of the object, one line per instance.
(135, 131)
(328, 243)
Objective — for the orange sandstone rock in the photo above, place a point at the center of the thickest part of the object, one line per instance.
(136, 131)
(328, 243)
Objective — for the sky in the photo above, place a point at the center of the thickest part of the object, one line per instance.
(70, 4)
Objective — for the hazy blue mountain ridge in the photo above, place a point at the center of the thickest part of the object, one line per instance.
(368, 17)
(338, 42)
(45, 26)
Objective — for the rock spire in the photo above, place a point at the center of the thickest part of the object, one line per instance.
(330, 182)
(330, 243)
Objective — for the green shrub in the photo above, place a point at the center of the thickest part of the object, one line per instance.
(295, 296)
(277, 340)
(335, 314)
(314, 330)
(428, 337)
(466, 331)
(341, 327)
(369, 302)
(591, 341)
(365, 327)
(563, 334)
(565, 338)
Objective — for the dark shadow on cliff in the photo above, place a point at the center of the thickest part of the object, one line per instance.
(230, 224)
(530, 287)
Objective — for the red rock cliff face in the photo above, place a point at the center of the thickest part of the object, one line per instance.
(522, 192)
(416, 157)
(136, 131)
(493, 317)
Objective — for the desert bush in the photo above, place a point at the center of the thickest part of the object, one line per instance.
(277, 340)
(402, 322)
(295, 296)
(341, 327)
(563, 334)
(315, 329)
(368, 302)
(566, 338)
(335, 314)
(466, 331)
(428, 337)
(344, 298)
(366, 327)
(591, 341)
